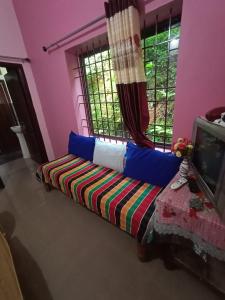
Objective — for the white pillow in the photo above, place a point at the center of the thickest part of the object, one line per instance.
(109, 155)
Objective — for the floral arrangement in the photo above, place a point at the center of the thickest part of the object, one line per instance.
(182, 148)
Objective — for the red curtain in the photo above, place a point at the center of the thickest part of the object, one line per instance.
(123, 25)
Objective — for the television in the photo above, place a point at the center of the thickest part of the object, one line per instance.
(208, 161)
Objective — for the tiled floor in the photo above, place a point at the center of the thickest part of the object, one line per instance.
(64, 252)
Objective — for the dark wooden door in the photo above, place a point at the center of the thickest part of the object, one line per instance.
(18, 89)
(8, 140)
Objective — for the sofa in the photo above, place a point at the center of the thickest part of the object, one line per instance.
(111, 181)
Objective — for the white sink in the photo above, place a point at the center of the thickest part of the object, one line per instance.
(18, 130)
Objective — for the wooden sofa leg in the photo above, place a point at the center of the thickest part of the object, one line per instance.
(142, 252)
(168, 257)
(48, 187)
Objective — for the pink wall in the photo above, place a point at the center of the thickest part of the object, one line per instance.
(12, 44)
(41, 23)
(201, 64)
(199, 81)
(10, 35)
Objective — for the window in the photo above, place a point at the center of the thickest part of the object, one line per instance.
(160, 50)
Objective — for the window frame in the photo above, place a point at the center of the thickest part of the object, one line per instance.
(156, 28)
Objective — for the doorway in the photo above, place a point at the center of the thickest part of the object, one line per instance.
(16, 109)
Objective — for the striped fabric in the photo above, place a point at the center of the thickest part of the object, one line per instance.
(124, 202)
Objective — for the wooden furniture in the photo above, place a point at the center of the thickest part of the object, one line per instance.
(126, 203)
(9, 287)
(189, 238)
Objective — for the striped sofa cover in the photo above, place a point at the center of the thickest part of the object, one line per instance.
(124, 202)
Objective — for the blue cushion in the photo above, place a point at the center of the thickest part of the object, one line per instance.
(81, 146)
(150, 165)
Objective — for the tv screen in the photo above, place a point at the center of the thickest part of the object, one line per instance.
(208, 157)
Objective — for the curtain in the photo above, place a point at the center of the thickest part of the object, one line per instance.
(123, 26)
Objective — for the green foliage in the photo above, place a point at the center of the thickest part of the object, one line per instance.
(160, 61)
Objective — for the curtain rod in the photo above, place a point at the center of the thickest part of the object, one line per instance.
(46, 48)
(22, 59)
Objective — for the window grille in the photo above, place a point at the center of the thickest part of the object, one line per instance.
(160, 44)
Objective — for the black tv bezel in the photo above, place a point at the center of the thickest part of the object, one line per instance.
(219, 132)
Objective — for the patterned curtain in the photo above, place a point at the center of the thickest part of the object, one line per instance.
(123, 25)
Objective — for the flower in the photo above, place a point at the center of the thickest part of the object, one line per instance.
(175, 146)
(180, 140)
(178, 154)
(182, 148)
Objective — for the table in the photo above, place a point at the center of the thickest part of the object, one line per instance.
(204, 228)
(202, 231)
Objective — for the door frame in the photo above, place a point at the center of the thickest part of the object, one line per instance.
(30, 106)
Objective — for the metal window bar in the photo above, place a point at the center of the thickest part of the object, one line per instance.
(155, 77)
(167, 81)
(81, 71)
(105, 96)
(97, 70)
(112, 93)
